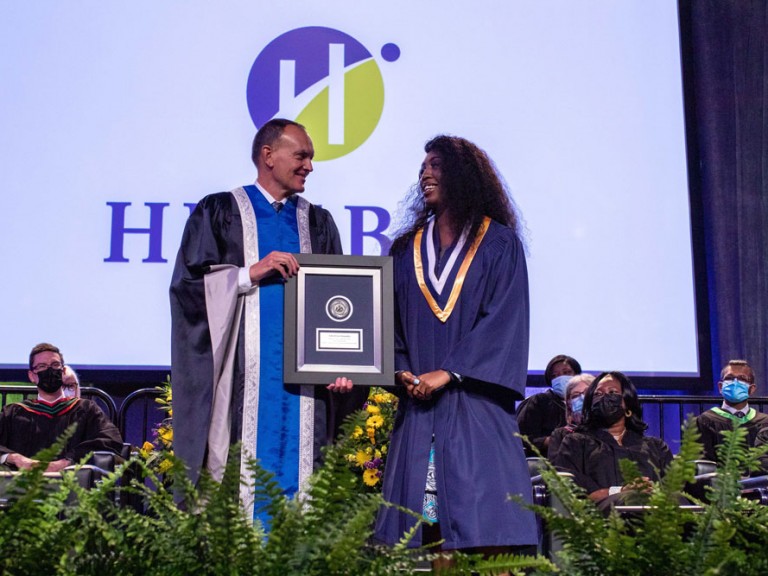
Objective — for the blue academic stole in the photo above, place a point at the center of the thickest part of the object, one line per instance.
(277, 443)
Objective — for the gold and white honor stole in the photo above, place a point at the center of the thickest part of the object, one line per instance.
(439, 282)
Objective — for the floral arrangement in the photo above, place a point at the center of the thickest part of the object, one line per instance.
(156, 453)
(369, 437)
(368, 440)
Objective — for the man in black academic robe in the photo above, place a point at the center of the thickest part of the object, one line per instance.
(32, 425)
(737, 384)
(234, 251)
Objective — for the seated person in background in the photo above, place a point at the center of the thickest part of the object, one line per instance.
(737, 384)
(612, 430)
(70, 383)
(762, 440)
(574, 402)
(32, 425)
(540, 414)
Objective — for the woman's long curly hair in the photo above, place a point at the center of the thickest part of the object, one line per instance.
(471, 188)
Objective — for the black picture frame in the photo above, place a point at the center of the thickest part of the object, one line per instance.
(339, 320)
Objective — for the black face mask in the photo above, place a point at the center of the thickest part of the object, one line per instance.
(606, 410)
(49, 380)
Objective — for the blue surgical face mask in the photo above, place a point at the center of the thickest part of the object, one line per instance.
(559, 384)
(735, 391)
(577, 404)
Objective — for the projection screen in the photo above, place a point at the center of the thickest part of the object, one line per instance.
(116, 118)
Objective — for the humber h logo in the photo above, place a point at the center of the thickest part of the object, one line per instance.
(324, 79)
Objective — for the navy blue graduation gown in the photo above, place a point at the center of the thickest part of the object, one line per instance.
(478, 459)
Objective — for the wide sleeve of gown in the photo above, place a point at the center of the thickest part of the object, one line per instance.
(495, 348)
(573, 455)
(98, 433)
(213, 235)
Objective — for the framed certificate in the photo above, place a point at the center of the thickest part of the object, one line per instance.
(339, 320)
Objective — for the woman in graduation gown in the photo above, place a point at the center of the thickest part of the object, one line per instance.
(612, 430)
(461, 293)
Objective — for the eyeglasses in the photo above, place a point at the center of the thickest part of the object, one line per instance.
(41, 367)
(731, 378)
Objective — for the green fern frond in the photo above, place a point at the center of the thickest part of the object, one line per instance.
(501, 564)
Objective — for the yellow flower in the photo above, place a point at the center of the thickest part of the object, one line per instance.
(165, 434)
(371, 434)
(361, 458)
(384, 398)
(373, 409)
(357, 432)
(164, 466)
(146, 449)
(377, 454)
(383, 448)
(370, 477)
(374, 421)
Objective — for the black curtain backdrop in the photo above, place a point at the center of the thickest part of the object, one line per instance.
(726, 72)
